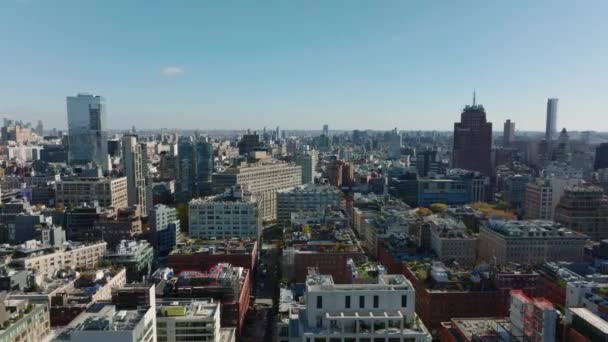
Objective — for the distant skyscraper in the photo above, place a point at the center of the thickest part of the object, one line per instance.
(139, 185)
(551, 129)
(87, 136)
(186, 164)
(394, 145)
(601, 157)
(326, 130)
(508, 136)
(473, 140)
(248, 143)
(204, 168)
(40, 128)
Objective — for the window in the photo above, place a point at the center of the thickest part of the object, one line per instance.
(347, 302)
(376, 302)
(361, 302)
(404, 301)
(319, 302)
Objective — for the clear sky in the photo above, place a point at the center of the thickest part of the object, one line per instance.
(300, 64)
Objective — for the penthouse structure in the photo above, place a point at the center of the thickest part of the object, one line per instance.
(47, 261)
(304, 198)
(236, 213)
(362, 312)
(584, 209)
(108, 192)
(529, 242)
(199, 319)
(263, 180)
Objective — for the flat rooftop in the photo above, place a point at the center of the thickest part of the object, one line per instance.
(212, 247)
(480, 327)
(103, 317)
(199, 308)
(531, 229)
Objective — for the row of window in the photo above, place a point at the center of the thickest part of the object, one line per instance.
(348, 304)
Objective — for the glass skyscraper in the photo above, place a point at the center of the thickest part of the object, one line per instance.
(87, 135)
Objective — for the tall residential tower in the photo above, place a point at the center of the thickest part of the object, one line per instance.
(551, 128)
(135, 162)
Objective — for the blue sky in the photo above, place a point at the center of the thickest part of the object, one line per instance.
(300, 64)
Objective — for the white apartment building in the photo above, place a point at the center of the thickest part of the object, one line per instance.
(235, 213)
(107, 324)
(108, 192)
(198, 319)
(305, 198)
(355, 312)
(76, 256)
(543, 195)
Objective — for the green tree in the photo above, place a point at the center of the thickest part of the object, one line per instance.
(438, 207)
(182, 216)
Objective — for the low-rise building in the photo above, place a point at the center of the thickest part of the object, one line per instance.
(135, 256)
(451, 241)
(225, 283)
(48, 261)
(326, 247)
(529, 242)
(22, 321)
(103, 322)
(204, 254)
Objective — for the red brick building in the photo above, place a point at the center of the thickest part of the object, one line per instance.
(466, 297)
(332, 263)
(205, 256)
(228, 284)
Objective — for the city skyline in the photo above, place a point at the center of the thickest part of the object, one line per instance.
(216, 66)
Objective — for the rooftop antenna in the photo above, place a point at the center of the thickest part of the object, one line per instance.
(474, 102)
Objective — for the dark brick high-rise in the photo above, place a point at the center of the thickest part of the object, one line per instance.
(473, 140)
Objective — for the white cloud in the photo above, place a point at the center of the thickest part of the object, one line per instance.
(172, 71)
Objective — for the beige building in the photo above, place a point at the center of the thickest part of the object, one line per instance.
(529, 242)
(263, 180)
(585, 210)
(78, 256)
(451, 241)
(109, 192)
(22, 321)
